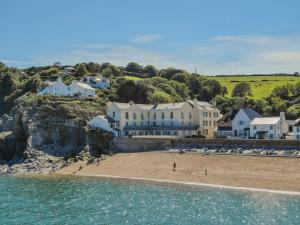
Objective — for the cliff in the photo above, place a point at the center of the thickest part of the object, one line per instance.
(50, 132)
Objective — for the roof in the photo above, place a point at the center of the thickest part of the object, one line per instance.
(127, 105)
(83, 85)
(201, 104)
(291, 122)
(251, 113)
(108, 118)
(265, 121)
(297, 122)
(169, 105)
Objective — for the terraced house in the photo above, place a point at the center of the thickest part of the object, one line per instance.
(189, 118)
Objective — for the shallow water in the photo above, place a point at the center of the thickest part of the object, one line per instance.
(73, 200)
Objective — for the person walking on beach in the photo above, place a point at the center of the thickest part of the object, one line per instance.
(174, 166)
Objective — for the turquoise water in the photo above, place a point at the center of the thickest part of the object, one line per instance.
(103, 201)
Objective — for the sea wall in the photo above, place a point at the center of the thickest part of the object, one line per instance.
(148, 144)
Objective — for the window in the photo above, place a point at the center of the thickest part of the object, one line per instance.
(142, 116)
(171, 115)
(298, 137)
(127, 124)
(209, 114)
(241, 122)
(209, 123)
(134, 124)
(271, 127)
(190, 115)
(298, 129)
(190, 124)
(134, 115)
(142, 124)
(127, 115)
(271, 136)
(203, 122)
(148, 123)
(114, 114)
(154, 123)
(182, 115)
(254, 127)
(171, 123)
(182, 123)
(162, 115)
(148, 115)
(154, 116)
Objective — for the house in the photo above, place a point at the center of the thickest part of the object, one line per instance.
(224, 129)
(99, 82)
(81, 89)
(189, 118)
(105, 123)
(269, 127)
(296, 130)
(241, 122)
(69, 70)
(58, 88)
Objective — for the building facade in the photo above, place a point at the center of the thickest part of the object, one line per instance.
(190, 118)
(269, 127)
(241, 122)
(98, 82)
(296, 130)
(58, 88)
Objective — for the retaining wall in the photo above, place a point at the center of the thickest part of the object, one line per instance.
(148, 144)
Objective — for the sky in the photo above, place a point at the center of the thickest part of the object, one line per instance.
(209, 36)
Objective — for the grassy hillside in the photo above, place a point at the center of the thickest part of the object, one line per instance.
(262, 86)
(133, 78)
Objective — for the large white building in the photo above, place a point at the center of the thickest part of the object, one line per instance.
(269, 127)
(190, 118)
(241, 122)
(58, 88)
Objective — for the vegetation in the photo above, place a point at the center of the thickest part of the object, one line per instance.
(266, 94)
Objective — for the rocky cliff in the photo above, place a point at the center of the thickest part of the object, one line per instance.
(50, 132)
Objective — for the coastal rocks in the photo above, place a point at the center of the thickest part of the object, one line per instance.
(6, 123)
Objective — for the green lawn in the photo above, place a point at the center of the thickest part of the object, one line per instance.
(132, 78)
(262, 86)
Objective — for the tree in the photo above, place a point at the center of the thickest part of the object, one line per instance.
(242, 89)
(2, 66)
(169, 72)
(134, 67)
(180, 77)
(161, 97)
(93, 67)
(81, 70)
(150, 71)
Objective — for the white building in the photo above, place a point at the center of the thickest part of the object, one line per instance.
(241, 122)
(269, 127)
(58, 88)
(105, 123)
(296, 130)
(190, 118)
(96, 81)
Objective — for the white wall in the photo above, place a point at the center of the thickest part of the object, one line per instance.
(236, 126)
(296, 132)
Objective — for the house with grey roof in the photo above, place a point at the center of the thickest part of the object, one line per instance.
(241, 122)
(180, 119)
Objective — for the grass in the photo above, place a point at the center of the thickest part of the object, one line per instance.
(133, 78)
(261, 86)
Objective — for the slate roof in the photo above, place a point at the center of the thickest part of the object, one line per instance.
(251, 113)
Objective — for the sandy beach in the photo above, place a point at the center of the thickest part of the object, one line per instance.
(275, 173)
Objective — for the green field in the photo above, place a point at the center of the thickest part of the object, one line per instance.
(133, 78)
(261, 86)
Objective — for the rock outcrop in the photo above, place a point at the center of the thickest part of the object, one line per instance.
(50, 132)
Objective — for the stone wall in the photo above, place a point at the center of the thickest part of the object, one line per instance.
(148, 144)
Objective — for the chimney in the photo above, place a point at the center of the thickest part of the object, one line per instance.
(131, 102)
(282, 116)
(195, 101)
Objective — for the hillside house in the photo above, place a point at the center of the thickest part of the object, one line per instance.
(98, 82)
(105, 123)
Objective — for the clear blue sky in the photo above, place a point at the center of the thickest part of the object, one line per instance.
(215, 36)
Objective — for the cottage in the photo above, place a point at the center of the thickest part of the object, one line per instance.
(98, 82)
(105, 123)
(224, 129)
(241, 122)
(58, 88)
(190, 118)
(269, 127)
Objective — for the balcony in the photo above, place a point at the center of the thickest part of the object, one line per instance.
(128, 128)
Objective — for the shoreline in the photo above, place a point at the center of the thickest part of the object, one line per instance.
(279, 174)
(217, 186)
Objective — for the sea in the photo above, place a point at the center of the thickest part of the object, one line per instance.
(77, 200)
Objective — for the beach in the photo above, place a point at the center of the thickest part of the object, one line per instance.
(272, 173)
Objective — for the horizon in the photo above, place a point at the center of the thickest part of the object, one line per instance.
(215, 38)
